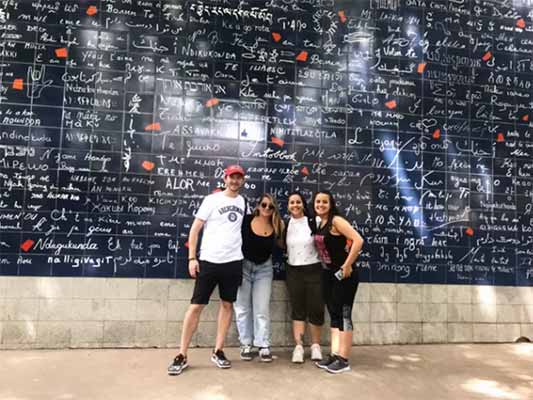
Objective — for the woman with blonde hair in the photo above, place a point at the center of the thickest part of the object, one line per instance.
(260, 232)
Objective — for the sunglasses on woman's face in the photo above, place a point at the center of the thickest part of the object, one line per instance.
(266, 205)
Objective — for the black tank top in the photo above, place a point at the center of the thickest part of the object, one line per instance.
(254, 247)
(331, 248)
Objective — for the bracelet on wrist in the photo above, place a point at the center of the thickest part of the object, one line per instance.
(192, 259)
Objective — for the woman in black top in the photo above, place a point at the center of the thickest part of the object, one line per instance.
(260, 231)
(339, 280)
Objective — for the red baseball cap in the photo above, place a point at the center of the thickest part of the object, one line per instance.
(234, 169)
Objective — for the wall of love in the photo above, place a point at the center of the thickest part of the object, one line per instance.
(118, 116)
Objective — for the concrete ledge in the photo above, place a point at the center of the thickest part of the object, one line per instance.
(44, 312)
(434, 332)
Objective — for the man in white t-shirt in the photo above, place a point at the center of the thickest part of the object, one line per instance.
(220, 263)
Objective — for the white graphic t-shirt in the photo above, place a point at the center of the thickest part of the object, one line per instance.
(300, 244)
(222, 239)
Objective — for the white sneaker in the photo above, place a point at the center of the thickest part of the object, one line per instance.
(265, 355)
(316, 353)
(298, 354)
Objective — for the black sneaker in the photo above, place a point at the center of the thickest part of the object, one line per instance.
(220, 359)
(246, 353)
(338, 366)
(330, 359)
(178, 365)
(265, 355)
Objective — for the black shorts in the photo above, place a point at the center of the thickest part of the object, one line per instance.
(303, 284)
(228, 277)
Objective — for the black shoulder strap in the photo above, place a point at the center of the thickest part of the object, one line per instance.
(312, 225)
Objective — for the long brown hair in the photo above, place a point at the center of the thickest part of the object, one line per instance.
(333, 210)
(276, 221)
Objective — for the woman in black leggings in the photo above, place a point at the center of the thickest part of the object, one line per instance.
(339, 278)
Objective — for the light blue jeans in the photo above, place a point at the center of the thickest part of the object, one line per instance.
(252, 308)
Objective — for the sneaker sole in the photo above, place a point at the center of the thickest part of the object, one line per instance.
(247, 358)
(297, 362)
(269, 360)
(321, 366)
(339, 371)
(174, 373)
(220, 366)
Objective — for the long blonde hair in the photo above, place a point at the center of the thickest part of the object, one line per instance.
(276, 221)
